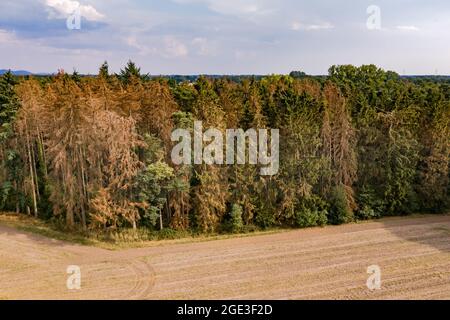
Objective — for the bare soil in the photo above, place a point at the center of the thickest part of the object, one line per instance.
(323, 263)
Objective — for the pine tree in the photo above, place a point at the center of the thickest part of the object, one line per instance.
(211, 191)
(103, 72)
(131, 71)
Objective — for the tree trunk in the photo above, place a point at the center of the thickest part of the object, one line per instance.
(31, 175)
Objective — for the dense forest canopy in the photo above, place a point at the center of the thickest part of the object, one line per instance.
(94, 152)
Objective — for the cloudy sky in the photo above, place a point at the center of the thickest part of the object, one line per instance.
(225, 36)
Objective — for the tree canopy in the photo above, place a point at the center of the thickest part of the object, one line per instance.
(94, 152)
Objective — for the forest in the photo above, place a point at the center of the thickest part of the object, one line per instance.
(93, 153)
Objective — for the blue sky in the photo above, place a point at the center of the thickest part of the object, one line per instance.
(225, 36)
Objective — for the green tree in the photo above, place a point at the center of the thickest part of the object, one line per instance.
(103, 72)
(130, 72)
(9, 103)
(153, 185)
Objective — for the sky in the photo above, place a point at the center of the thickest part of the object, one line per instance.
(225, 36)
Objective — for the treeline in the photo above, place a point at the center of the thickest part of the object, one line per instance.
(94, 152)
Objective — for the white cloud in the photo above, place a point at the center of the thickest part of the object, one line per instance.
(323, 26)
(408, 28)
(6, 37)
(245, 55)
(296, 26)
(233, 7)
(174, 48)
(132, 41)
(166, 46)
(65, 8)
(203, 46)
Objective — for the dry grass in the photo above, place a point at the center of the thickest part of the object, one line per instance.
(125, 239)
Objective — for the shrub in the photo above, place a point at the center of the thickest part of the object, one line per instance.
(311, 218)
(235, 223)
(306, 218)
(322, 218)
(340, 211)
(366, 213)
(370, 204)
(265, 218)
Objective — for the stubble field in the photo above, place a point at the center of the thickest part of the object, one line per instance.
(329, 263)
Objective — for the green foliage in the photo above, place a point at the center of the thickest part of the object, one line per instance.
(310, 212)
(340, 211)
(103, 72)
(369, 204)
(153, 151)
(185, 95)
(297, 74)
(322, 218)
(152, 184)
(265, 217)
(76, 76)
(402, 155)
(5, 192)
(361, 143)
(366, 212)
(235, 223)
(9, 103)
(311, 218)
(183, 120)
(130, 72)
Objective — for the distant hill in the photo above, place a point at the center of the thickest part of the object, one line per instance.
(16, 72)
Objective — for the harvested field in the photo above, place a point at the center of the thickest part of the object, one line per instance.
(330, 263)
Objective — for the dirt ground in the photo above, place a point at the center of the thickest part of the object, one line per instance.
(328, 263)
